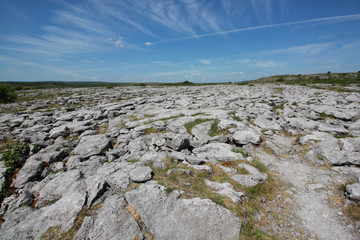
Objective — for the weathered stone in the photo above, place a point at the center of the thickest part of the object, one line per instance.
(226, 189)
(244, 137)
(25, 223)
(141, 174)
(194, 160)
(59, 131)
(353, 191)
(218, 152)
(31, 171)
(264, 123)
(252, 179)
(111, 221)
(92, 145)
(194, 218)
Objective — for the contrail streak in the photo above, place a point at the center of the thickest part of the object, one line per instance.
(325, 20)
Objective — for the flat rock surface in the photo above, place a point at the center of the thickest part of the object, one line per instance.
(185, 162)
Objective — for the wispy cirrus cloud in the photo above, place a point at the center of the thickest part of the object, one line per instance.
(309, 49)
(325, 20)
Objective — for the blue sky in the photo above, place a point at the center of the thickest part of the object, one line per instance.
(173, 41)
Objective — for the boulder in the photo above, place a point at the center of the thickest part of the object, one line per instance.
(141, 174)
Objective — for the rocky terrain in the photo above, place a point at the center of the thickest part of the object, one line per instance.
(260, 161)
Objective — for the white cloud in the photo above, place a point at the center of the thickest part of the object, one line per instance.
(302, 50)
(205, 61)
(149, 43)
(266, 64)
(237, 73)
(245, 60)
(326, 20)
(119, 42)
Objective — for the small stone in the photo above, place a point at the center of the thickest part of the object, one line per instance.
(141, 174)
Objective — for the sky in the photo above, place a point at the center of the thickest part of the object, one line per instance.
(176, 40)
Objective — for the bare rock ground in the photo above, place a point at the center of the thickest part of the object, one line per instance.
(200, 162)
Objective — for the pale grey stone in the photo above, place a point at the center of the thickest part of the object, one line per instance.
(265, 123)
(26, 223)
(218, 152)
(141, 174)
(353, 191)
(252, 179)
(62, 131)
(244, 137)
(92, 145)
(193, 160)
(226, 189)
(57, 187)
(168, 217)
(112, 221)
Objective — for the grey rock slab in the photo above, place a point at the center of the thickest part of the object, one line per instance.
(252, 179)
(332, 128)
(226, 189)
(302, 123)
(316, 136)
(218, 152)
(265, 123)
(353, 191)
(228, 169)
(117, 174)
(57, 187)
(168, 217)
(194, 160)
(244, 137)
(141, 174)
(96, 186)
(152, 157)
(31, 171)
(112, 221)
(26, 223)
(59, 131)
(177, 142)
(178, 156)
(200, 132)
(350, 144)
(92, 145)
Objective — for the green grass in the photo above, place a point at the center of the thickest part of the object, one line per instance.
(234, 117)
(250, 232)
(215, 130)
(189, 125)
(240, 150)
(13, 159)
(324, 115)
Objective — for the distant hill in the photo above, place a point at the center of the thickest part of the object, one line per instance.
(318, 78)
